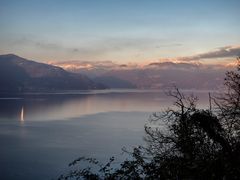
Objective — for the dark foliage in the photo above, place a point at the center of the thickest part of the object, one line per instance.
(183, 142)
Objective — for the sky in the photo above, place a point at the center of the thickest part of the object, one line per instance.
(122, 31)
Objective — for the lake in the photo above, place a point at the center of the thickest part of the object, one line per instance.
(40, 133)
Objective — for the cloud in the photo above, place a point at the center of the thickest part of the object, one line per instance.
(169, 45)
(102, 47)
(78, 65)
(110, 66)
(41, 45)
(172, 65)
(227, 51)
(99, 47)
(222, 52)
(119, 48)
(184, 63)
(119, 45)
(47, 46)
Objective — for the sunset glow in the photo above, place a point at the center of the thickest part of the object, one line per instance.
(121, 31)
(119, 89)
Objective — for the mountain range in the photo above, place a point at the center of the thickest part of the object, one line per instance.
(19, 75)
(155, 75)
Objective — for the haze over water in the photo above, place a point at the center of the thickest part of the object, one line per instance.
(41, 133)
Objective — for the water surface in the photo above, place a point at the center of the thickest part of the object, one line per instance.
(40, 133)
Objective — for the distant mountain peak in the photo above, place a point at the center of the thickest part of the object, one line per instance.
(10, 56)
(20, 74)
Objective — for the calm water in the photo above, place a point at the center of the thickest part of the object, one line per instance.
(41, 133)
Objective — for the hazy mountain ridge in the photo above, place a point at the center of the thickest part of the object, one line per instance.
(19, 74)
(114, 82)
(154, 75)
(154, 78)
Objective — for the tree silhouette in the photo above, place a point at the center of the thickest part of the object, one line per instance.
(184, 142)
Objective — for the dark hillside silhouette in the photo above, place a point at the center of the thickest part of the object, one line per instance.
(20, 75)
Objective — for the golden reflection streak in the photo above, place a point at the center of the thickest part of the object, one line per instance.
(22, 115)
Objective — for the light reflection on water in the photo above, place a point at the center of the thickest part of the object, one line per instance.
(45, 107)
(41, 133)
(22, 115)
